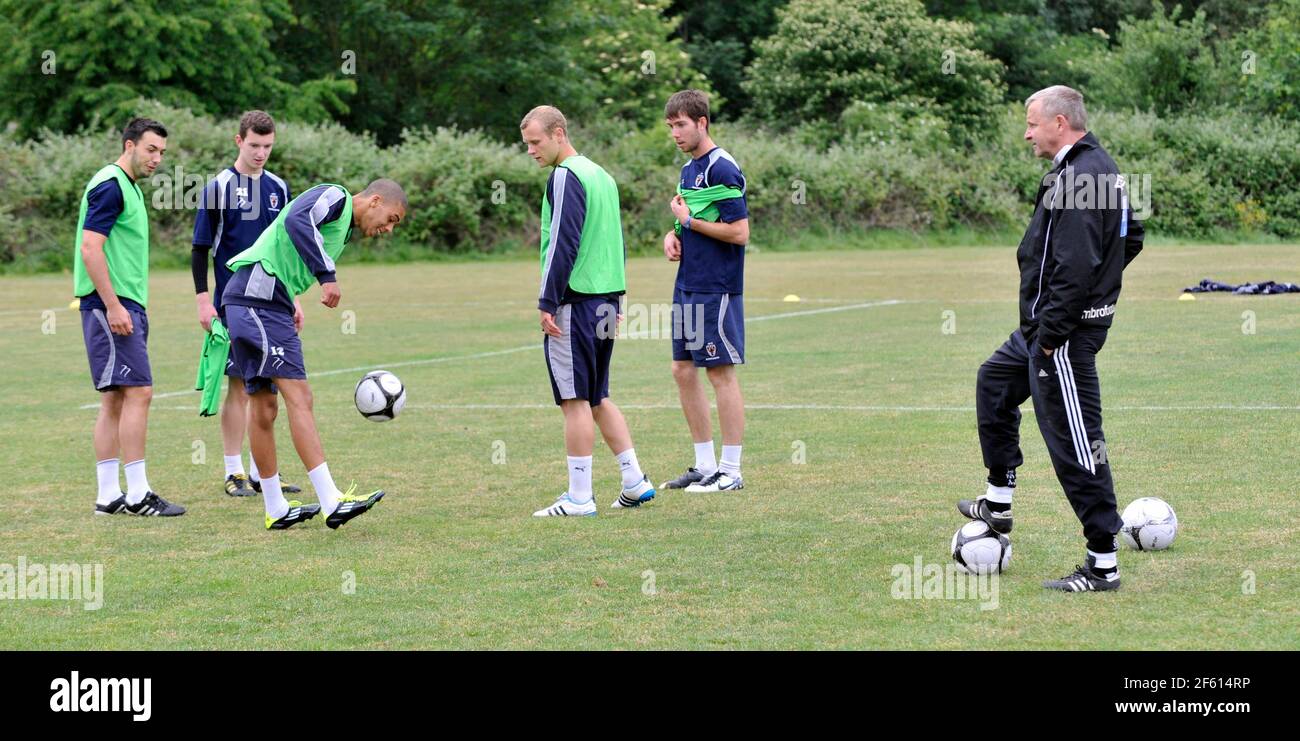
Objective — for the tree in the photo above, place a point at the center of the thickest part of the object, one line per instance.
(720, 37)
(1263, 63)
(628, 61)
(825, 55)
(1162, 63)
(477, 65)
(70, 62)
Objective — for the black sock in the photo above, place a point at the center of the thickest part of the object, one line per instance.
(1005, 477)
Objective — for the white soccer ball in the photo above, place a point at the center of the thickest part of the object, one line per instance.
(1149, 524)
(380, 396)
(978, 549)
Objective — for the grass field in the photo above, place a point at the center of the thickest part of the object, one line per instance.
(1201, 409)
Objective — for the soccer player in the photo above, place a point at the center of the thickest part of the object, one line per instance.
(111, 277)
(582, 258)
(1072, 258)
(298, 249)
(709, 242)
(237, 206)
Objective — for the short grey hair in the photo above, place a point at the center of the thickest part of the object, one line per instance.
(1059, 100)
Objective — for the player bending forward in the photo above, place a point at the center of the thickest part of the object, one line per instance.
(298, 249)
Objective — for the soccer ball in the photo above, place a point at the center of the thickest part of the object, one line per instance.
(380, 395)
(978, 549)
(1149, 524)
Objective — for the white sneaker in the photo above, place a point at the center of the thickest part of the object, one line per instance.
(566, 507)
(636, 496)
(718, 481)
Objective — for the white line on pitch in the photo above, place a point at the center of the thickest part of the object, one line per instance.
(336, 371)
(806, 312)
(522, 348)
(831, 408)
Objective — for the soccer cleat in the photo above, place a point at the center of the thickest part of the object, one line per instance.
(978, 509)
(1085, 579)
(284, 488)
(155, 506)
(566, 507)
(239, 485)
(718, 481)
(636, 496)
(351, 506)
(115, 507)
(298, 512)
(691, 476)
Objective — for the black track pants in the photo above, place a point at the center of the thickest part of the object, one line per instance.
(1067, 404)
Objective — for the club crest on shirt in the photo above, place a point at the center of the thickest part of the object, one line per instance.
(699, 180)
(274, 199)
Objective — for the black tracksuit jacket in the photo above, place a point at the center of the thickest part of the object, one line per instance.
(1079, 240)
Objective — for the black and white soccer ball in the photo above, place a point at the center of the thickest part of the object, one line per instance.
(380, 396)
(1149, 524)
(978, 549)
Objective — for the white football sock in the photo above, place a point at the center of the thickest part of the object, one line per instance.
(326, 491)
(1104, 560)
(106, 472)
(631, 468)
(705, 463)
(580, 479)
(137, 484)
(253, 474)
(730, 463)
(999, 494)
(234, 465)
(276, 505)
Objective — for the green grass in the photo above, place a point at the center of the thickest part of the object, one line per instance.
(800, 559)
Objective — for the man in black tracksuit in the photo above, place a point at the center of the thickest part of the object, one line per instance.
(1072, 257)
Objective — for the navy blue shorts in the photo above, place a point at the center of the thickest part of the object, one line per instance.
(708, 328)
(231, 369)
(116, 360)
(578, 360)
(263, 346)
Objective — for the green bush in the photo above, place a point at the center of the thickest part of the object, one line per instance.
(1163, 63)
(826, 55)
(1262, 64)
(882, 166)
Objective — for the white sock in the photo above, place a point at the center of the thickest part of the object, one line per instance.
(730, 463)
(1104, 560)
(705, 463)
(137, 484)
(106, 472)
(234, 464)
(253, 475)
(323, 483)
(276, 505)
(631, 468)
(999, 494)
(580, 479)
